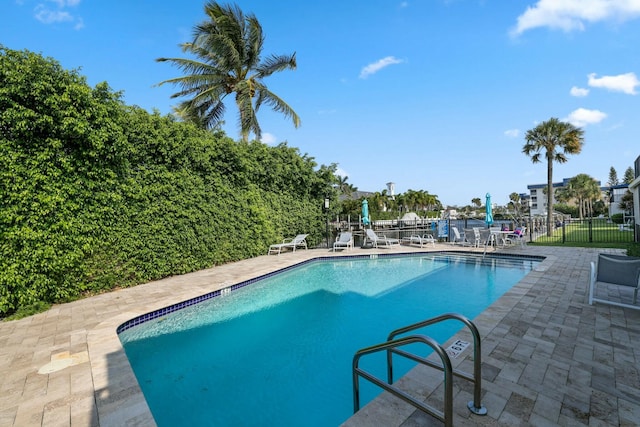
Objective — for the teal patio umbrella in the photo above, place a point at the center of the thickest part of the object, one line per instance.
(489, 218)
(365, 212)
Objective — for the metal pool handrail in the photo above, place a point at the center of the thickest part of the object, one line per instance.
(446, 416)
(393, 344)
(474, 406)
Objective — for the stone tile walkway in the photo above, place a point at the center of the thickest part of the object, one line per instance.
(548, 357)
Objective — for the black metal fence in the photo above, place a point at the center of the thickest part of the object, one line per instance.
(591, 230)
(596, 230)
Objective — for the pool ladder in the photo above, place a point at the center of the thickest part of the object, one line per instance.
(393, 344)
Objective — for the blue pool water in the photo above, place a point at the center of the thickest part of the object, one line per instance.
(279, 352)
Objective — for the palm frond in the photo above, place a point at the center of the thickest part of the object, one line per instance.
(276, 63)
(254, 42)
(265, 96)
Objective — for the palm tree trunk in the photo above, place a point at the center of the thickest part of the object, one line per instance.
(581, 207)
(549, 195)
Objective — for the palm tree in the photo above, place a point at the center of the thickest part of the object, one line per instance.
(344, 187)
(517, 205)
(227, 48)
(555, 139)
(588, 192)
(585, 190)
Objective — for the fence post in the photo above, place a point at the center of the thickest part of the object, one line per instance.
(564, 238)
(590, 231)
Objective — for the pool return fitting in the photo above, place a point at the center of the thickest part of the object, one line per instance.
(393, 346)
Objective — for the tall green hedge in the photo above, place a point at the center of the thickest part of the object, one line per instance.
(96, 194)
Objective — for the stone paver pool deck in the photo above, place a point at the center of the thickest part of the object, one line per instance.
(548, 357)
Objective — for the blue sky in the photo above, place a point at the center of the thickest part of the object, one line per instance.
(432, 95)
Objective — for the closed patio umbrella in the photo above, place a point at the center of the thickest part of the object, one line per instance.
(489, 218)
(365, 212)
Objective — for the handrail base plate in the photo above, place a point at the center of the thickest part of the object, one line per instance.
(477, 411)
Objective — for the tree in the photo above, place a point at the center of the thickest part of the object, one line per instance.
(554, 139)
(419, 200)
(476, 202)
(628, 176)
(228, 50)
(613, 177)
(626, 202)
(517, 205)
(345, 188)
(585, 190)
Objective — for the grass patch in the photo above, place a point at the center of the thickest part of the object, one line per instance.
(603, 235)
(589, 233)
(28, 310)
(551, 242)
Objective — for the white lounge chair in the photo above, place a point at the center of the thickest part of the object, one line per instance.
(416, 239)
(343, 241)
(299, 241)
(617, 270)
(485, 238)
(457, 238)
(472, 235)
(380, 240)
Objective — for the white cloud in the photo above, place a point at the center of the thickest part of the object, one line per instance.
(582, 117)
(625, 83)
(63, 3)
(569, 15)
(48, 15)
(268, 138)
(512, 133)
(579, 91)
(379, 65)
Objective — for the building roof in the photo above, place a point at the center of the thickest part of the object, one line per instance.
(356, 195)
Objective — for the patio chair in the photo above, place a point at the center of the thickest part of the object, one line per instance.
(416, 239)
(616, 270)
(472, 235)
(380, 240)
(343, 241)
(485, 237)
(518, 236)
(292, 243)
(457, 238)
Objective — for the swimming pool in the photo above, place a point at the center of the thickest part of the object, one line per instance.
(279, 352)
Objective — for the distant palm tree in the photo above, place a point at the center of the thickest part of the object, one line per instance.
(517, 205)
(227, 48)
(585, 190)
(555, 139)
(344, 187)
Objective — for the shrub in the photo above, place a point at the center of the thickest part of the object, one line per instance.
(634, 250)
(617, 218)
(96, 194)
